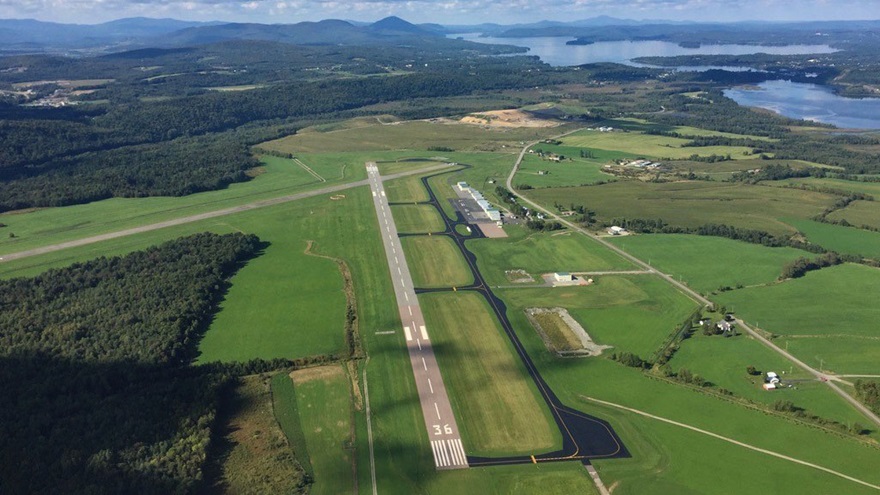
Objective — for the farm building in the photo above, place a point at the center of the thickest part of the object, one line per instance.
(723, 325)
(615, 230)
(563, 277)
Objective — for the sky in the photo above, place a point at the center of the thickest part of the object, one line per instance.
(439, 11)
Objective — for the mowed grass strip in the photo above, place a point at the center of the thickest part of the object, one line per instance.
(707, 263)
(828, 306)
(323, 399)
(497, 405)
(417, 219)
(539, 253)
(407, 189)
(693, 203)
(435, 261)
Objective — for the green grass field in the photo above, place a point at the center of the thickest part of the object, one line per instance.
(693, 203)
(434, 261)
(648, 146)
(539, 253)
(417, 135)
(634, 313)
(573, 171)
(872, 188)
(417, 219)
(723, 361)
(846, 240)
(859, 213)
(53, 225)
(497, 405)
(828, 305)
(407, 189)
(323, 399)
(707, 263)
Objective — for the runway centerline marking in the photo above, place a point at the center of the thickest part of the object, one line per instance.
(426, 369)
(437, 410)
(430, 385)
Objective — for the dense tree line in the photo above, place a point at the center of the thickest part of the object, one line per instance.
(98, 395)
(170, 169)
(799, 267)
(869, 393)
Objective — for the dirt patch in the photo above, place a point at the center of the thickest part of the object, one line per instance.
(507, 118)
(562, 334)
(317, 373)
(255, 172)
(337, 197)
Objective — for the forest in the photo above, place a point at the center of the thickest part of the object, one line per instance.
(99, 395)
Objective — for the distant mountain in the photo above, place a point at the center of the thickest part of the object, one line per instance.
(394, 24)
(33, 33)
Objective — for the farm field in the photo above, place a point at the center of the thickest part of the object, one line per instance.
(633, 313)
(497, 405)
(871, 188)
(662, 462)
(859, 213)
(324, 405)
(845, 240)
(435, 261)
(706, 263)
(52, 225)
(539, 253)
(417, 219)
(693, 203)
(723, 362)
(648, 145)
(412, 135)
(836, 302)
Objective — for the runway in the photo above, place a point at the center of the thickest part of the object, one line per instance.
(440, 423)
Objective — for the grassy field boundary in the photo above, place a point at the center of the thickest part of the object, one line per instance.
(733, 441)
(286, 412)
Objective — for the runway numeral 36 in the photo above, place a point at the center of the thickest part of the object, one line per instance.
(445, 429)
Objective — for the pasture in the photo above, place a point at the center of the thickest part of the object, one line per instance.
(826, 306)
(693, 203)
(497, 405)
(649, 145)
(572, 171)
(846, 240)
(417, 219)
(633, 313)
(849, 186)
(723, 362)
(539, 253)
(706, 263)
(859, 213)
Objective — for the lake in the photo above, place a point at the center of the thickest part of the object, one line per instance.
(554, 51)
(810, 102)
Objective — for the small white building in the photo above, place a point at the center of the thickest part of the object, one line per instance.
(563, 277)
(615, 230)
(493, 214)
(463, 186)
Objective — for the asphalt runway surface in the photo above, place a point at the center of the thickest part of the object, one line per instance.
(439, 419)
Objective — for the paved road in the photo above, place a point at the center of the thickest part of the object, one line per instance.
(436, 409)
(827, 378)
(203, 216)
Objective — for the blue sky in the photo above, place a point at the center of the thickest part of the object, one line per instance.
(441, 11)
